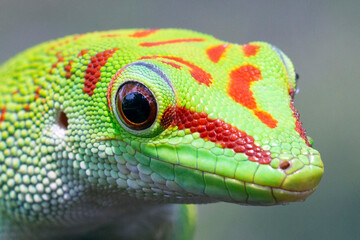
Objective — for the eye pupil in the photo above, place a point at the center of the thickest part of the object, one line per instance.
(136, 107)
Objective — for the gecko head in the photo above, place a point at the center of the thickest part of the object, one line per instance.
(237, 140)
(191, 129)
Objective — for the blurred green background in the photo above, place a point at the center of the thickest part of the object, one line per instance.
(322, 39)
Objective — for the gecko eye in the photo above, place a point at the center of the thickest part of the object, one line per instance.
(297, 90)
(297, 76)
(142, 98)
(136, 105)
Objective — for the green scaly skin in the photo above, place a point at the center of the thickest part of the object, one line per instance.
(225, 129)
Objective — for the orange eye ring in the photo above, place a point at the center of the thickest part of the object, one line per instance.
(136, 105)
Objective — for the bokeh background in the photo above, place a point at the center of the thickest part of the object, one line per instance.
(322, 39)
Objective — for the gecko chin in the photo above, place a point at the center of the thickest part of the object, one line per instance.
(246, 193)
(258, 195)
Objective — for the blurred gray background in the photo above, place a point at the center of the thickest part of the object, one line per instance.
(322, 39)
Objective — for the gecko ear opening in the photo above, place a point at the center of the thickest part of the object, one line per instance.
(63, 120)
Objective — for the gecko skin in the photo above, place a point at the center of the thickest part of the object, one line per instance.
(102, 133)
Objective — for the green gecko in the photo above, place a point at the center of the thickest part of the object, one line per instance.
(103, 133)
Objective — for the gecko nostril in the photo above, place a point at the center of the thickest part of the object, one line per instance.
(63, 120)
(284, 165)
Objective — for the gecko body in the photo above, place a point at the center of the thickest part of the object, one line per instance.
(101, 132)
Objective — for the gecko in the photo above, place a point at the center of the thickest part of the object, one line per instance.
(115, 134)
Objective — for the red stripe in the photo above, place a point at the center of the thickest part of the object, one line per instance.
(2, 116)
(112, 35)
(196, 72)
(151, 44)
(298, 123)
(220, 132)
(37, 90)
(239, 90)
(174, 65)
(266, 118)
(67, 69)
(92, 73)
(60, 59)
(143, 33)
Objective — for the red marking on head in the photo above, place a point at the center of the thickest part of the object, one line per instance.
(143, 33)
(250, 49)
(2, 116)
(59, 44)
(196, 72)
(239, 86)
(172, 64)
(60, 59)
(27, 107)
(266, 118)
(15, 92)
(76, 37)
(298, 123)
(112, 35)
(239, 90)
(37, 90)
(67, 69)
(152, 44)
(64, 42)
(92, 73)
(220, 132)
(216, 52)
(82, 52)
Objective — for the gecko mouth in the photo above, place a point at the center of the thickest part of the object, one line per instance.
(229, 189)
